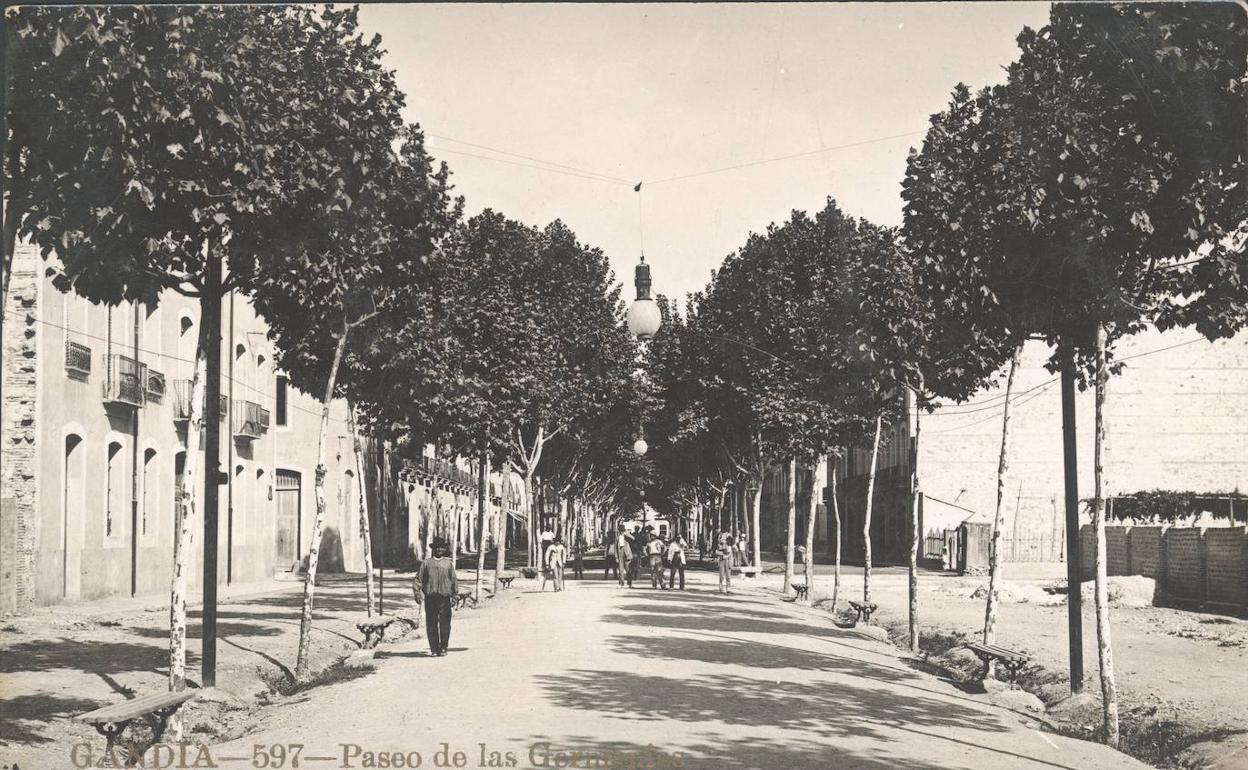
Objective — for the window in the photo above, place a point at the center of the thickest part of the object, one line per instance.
(71, 500)
(279, 405)
(149, 484)
(179, 468)
(240, 505)
(115, 484)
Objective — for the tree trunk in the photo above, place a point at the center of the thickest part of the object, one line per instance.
(916, 535)
(994, 553)
(500, 553)
(757, 550)
(530, 515)
(185, 535)
(1104, 646)
(314, 554)
(483, 508)
(836, 518)
(365, 529)
(790, 534)
(433, 504)
(866, 519)
(809, 561)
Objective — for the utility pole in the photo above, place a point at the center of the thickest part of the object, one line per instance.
(1074, 563)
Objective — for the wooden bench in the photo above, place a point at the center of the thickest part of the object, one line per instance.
(1013, 660)
(152, 710)
(863, 611)
(461, 601)
(801, 589)
(506, 581)
(374, 629)
(748, 572)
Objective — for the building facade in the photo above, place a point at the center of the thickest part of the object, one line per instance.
(94, 425)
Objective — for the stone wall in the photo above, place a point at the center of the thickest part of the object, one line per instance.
(19, 535)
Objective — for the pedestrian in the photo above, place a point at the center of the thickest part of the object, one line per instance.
(578, 559)
(654, 553)
(726, 551)
(438, 585)
(611, 562)
(676, 562)
(633, 565)
(624, 556)
(556, 557)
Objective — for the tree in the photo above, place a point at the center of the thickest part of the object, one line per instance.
(363, 263)
(1073, 198)
(169, 148)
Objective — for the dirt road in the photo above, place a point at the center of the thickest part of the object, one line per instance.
(643, 678)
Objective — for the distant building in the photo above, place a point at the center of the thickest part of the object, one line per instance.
(1176, 418)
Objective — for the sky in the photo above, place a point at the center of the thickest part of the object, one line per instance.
(664, 94)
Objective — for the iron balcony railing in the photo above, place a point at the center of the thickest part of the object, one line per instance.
(182, 401)
(155, 389)
(126, 381)
(251, 421)
(77, 359)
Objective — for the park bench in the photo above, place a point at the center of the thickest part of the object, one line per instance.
(506, 581)
(748, 572)
(863, 611)
(801, 589)
(374, 629)
(152, 710)
(1013, 660)
(461, 600)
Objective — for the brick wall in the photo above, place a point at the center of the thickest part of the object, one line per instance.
(1198, 564)
(19, 535)
(1183, 551)
(1225, 569)
(1117, 540)
(1146, 545)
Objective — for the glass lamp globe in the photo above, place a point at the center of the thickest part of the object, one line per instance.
(644, 318)
(640, 447)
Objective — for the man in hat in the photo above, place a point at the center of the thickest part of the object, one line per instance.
(439, 586)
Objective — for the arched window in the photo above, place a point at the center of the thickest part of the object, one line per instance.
(149, 490)
(241, 498)
(115, 485)
(72, 489)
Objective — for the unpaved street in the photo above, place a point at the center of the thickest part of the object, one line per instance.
(636, 676)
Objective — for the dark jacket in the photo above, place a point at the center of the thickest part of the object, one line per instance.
(437, 576)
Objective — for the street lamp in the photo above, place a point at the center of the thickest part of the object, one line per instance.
(644, 318)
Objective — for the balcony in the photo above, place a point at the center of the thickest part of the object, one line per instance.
(182, 401)
(251, 421)
(126, 381)
(155, 390)
(77, 360)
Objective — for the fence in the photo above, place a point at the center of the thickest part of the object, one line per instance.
(1208, 565)
(1038, 548)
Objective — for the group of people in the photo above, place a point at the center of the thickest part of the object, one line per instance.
(633, 548)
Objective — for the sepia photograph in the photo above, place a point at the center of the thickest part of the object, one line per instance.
(624, 386)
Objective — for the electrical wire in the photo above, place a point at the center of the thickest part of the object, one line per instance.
(587, 172)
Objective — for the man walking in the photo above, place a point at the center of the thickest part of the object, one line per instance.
(438, 584)
(676, 561)
(556, 557)
(654, 551)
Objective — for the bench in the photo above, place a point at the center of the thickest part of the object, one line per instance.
(461, 600)
(373, 629)
(863, 611)
(506, 581)
(748, 572)
(153, 710)
(801, 589)
(1013, 660)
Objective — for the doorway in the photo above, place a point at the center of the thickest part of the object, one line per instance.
(287, 493)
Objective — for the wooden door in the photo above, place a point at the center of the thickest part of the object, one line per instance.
(287, 493)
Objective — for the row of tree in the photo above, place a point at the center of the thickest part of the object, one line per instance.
(1100, 190)
(204, 150)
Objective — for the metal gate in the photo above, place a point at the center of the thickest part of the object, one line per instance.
(289, 534)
